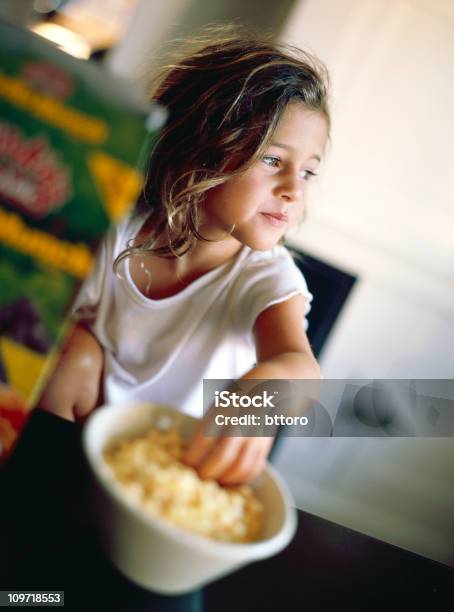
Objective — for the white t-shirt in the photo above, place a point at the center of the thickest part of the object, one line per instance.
(161, 350)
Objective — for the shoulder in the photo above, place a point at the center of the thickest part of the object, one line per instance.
(119, 236)
(267, 278)
(276, 263)
(277, 255)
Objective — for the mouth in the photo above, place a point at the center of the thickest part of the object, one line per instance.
(276, 219)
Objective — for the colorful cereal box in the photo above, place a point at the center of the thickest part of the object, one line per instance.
(73, 142)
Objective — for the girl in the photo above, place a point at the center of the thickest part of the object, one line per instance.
(196, 283)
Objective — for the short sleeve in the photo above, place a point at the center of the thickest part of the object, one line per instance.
(89, 296)
(97, 286)
(268, 278)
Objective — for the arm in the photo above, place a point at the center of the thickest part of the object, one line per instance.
(283, 352)
(73, 389)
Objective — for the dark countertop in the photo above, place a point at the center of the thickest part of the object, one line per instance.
(48, 542)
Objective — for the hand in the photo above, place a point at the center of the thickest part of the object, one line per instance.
(229, 460)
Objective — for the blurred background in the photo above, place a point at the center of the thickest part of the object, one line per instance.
(379, 230)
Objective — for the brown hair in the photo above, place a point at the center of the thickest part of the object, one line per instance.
(224, 99)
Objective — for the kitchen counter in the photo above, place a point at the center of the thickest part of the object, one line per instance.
(48, 542)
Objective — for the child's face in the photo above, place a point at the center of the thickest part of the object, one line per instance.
(269, 198)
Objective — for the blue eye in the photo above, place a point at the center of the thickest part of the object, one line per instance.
(275, 162)
(308, 175)
(271, 160)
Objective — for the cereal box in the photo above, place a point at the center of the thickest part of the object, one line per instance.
(73, 143)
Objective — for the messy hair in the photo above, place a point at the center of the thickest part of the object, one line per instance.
(224, 97)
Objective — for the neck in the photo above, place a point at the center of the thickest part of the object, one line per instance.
(205, 256)
(215, 253)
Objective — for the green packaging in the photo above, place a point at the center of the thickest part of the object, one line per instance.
(73, 145)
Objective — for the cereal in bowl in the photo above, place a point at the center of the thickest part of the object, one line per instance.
(152, 475)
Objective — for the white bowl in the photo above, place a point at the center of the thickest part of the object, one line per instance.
(153, 552)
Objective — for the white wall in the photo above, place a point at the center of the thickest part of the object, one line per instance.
(155, 23)
(384, 209)
(385, 205)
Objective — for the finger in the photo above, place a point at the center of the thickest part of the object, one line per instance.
(266, 445)
(251, 463)
(199, 447)
(222, 456)
(264, 452)
(245, 465)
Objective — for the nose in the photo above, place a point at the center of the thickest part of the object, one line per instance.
(289, 187)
